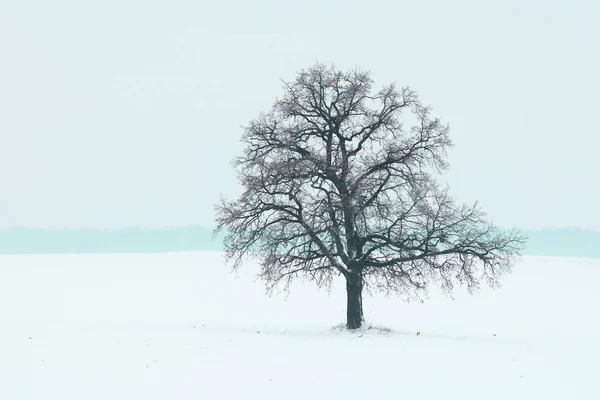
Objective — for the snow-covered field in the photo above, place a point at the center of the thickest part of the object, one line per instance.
(181, 326)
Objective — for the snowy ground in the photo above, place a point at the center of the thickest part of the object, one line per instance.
(180, 326)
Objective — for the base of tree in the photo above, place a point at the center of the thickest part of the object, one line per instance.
(355, 325)
(364, 329)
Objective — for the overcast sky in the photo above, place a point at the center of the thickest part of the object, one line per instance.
(127, 113)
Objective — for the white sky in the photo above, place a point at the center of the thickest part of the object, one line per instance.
(127, 113)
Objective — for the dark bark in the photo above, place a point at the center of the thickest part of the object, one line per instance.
(354, 311)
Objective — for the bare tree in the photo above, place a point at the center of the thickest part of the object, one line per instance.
(336, 185)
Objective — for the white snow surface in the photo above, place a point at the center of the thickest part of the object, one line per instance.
(182, 326)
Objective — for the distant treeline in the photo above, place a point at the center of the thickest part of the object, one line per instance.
(547, 242)
(129, 240)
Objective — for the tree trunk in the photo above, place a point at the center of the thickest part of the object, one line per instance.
(354, 311)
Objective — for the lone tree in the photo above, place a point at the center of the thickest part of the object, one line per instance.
(336, 184)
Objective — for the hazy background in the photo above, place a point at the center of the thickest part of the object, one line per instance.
(127, 113)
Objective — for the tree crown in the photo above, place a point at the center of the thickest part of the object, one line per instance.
(340, 179)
